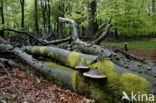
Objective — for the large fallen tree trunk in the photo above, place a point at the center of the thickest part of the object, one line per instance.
(105, 53)
(102, 90)
(72, 59)
(57, 75)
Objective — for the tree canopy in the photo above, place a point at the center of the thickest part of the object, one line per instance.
(129, 17)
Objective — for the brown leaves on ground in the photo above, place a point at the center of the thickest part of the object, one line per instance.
(34, 90)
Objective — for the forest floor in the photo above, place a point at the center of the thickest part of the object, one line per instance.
(31, 89)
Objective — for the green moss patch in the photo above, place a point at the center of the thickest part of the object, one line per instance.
(73, 59)
(33, 50)
(117, 82)
(51, 54)
(74, 76)
(42, 50)
(8, 47)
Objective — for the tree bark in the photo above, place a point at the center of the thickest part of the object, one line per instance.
(92, 24)
(44, 8)
(103, 36)
(49, 10)
(22, 10)
(68, 58)
(36, 17)
(2, 16)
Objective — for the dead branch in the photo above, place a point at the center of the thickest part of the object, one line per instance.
(59, 41)
(74, 25)
(104, 34)
(23, 32)
(143, 60)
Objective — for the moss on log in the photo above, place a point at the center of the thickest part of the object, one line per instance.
(65, 57)
(105, 90)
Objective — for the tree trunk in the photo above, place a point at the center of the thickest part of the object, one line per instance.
(153, 6)
(49, 25)
(22, 9)
(2, 16)
(44, 8)
(92, 24)
(36, 18)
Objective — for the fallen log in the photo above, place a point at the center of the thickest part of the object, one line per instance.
(72, 59)
(104, 90)
(68, 58)
(105, 53)
(133, 56)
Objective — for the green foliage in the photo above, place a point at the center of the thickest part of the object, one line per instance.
(130, 17)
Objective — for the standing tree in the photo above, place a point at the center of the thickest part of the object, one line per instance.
(92, 24)
(22, 9)
(49, 26)
(2, 16)
(36, 18)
